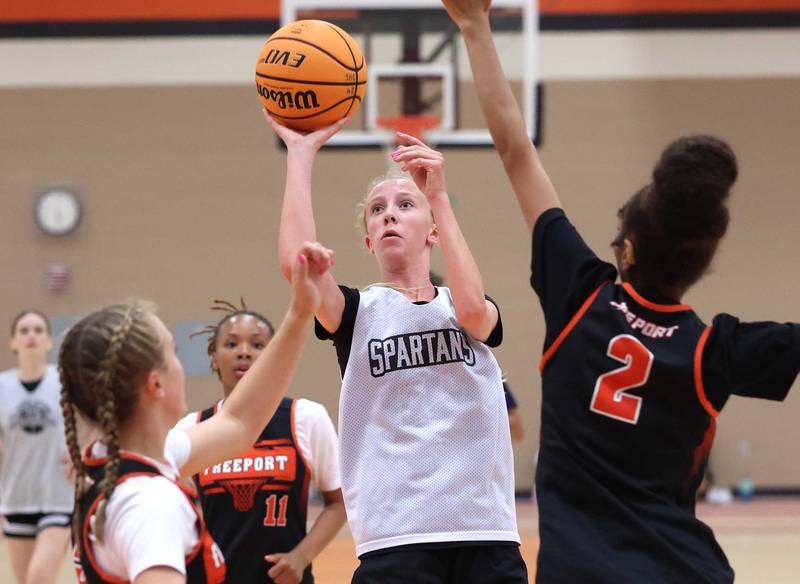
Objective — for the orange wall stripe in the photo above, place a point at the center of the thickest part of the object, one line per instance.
(100, 10)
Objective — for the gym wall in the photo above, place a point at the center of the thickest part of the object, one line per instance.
(181, 187)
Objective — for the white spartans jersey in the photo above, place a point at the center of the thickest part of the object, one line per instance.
(33, 478)
(425, 445)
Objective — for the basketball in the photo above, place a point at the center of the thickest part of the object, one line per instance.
(309, 74)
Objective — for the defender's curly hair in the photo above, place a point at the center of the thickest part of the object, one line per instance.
(675, 222)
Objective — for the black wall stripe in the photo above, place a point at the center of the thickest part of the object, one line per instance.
(138, 28)
(656, 21)
(583, 22)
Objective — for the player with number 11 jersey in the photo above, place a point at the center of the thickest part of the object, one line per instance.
(255, 503)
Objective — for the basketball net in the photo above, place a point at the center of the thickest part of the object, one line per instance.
(243, 492)
(414, 125)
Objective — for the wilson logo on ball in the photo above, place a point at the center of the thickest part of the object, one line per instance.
(286, 99)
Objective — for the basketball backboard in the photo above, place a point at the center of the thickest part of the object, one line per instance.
(417, 65)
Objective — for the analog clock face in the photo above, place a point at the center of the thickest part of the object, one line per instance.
(58, 211)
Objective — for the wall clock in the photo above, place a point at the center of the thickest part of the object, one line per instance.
(57, 211)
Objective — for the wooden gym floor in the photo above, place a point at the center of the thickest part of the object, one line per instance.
(761, 539)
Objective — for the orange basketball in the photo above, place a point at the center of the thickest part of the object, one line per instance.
(310, 73)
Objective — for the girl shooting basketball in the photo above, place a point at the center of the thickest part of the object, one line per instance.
(36, 494)
(632, 378)
(427, 470)
(252, 513)
(119, 370)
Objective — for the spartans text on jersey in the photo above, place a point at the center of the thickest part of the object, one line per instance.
(421, 349)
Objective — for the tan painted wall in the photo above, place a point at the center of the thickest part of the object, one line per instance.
(182, 188)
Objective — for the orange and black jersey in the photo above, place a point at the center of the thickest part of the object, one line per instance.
(256, 503)
(205, 564)
(632, 384)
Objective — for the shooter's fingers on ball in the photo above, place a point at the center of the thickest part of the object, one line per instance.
(285, 133)
(324, 134)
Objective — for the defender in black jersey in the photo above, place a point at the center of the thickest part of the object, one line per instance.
(632, 384)
(272, 479)
(632, 379)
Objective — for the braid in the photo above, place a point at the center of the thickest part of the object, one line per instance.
(71, 433)
(103, 361)
(111, 469)
(107, 415)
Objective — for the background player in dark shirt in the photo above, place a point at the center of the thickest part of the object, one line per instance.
(632, 379)
(515, 423)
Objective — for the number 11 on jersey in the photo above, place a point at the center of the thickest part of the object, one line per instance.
(609, 398)
(269, 519)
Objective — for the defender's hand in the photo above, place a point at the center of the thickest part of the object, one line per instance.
(311, 264)
(462, 12)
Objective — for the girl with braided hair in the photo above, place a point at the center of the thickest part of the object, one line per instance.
(632, 378)
(134, 521)
(257, 511)
(36, 493)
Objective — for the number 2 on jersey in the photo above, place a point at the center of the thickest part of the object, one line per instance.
(269, 519)
(609, 398)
